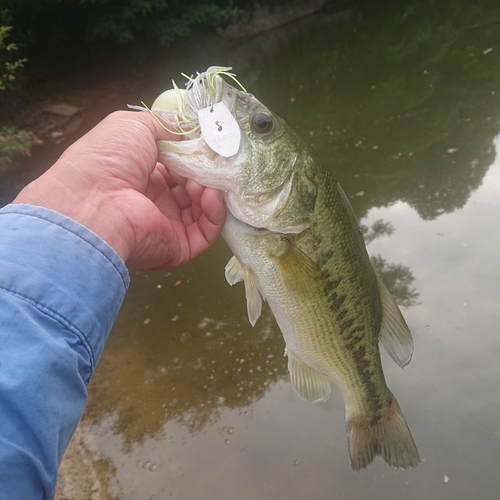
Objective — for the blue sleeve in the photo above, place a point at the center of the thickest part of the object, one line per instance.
(61, 287)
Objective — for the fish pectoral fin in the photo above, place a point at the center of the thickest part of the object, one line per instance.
(394, 332)
(309, 384)
(234, 271)
(301, 274)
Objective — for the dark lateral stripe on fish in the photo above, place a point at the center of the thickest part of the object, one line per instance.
(373, 398)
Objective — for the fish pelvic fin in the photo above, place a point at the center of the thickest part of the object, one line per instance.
(309, 384)
(394, 332)
(389, 437)
(235, 273)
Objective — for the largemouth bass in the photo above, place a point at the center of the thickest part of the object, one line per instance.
(297, 245)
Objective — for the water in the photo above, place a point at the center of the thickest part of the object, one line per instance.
(189, 401)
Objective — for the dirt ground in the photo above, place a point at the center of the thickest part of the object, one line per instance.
(81, 474)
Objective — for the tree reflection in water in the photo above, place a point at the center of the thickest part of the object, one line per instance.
(183, 368)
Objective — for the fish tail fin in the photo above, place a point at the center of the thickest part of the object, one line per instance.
(388, 437)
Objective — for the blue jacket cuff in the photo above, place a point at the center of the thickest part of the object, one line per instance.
(65, 270)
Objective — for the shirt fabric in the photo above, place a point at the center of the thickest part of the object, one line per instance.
(61, 287)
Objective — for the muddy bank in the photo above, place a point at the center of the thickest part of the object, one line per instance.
(82, 476)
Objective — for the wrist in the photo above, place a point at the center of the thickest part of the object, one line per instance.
(89, 211)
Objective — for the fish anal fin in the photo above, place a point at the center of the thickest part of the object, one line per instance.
(309, 384)
(389, 438)
(394, 332)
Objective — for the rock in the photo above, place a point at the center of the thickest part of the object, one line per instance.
(66, 110)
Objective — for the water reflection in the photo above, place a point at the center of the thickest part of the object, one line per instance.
(377, 229)
(406, 102)
(180, 353)
(398, 279)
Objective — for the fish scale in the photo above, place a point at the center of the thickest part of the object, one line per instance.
(297, 245)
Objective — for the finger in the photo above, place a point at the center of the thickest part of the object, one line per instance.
(213, 207)
(157, 185)
(181, 197)
(177, 178)
(203, 233)
(170, 197)
(172, 178)
(195, 192)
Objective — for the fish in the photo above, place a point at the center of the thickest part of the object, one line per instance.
(297, 245)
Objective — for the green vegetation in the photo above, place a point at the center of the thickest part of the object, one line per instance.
(159, 20)
(14, 140)
(8, 64)
(66, 27)
(56, 34)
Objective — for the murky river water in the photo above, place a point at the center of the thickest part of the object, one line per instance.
(191, 402)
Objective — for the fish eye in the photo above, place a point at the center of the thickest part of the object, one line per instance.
(263, 123)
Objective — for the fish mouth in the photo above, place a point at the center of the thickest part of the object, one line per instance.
(181, 111)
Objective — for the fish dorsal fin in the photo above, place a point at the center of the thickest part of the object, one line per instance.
(235, 273)
(309, 384)
(394, 332)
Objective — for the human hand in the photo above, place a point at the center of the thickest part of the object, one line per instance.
(111, 182)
